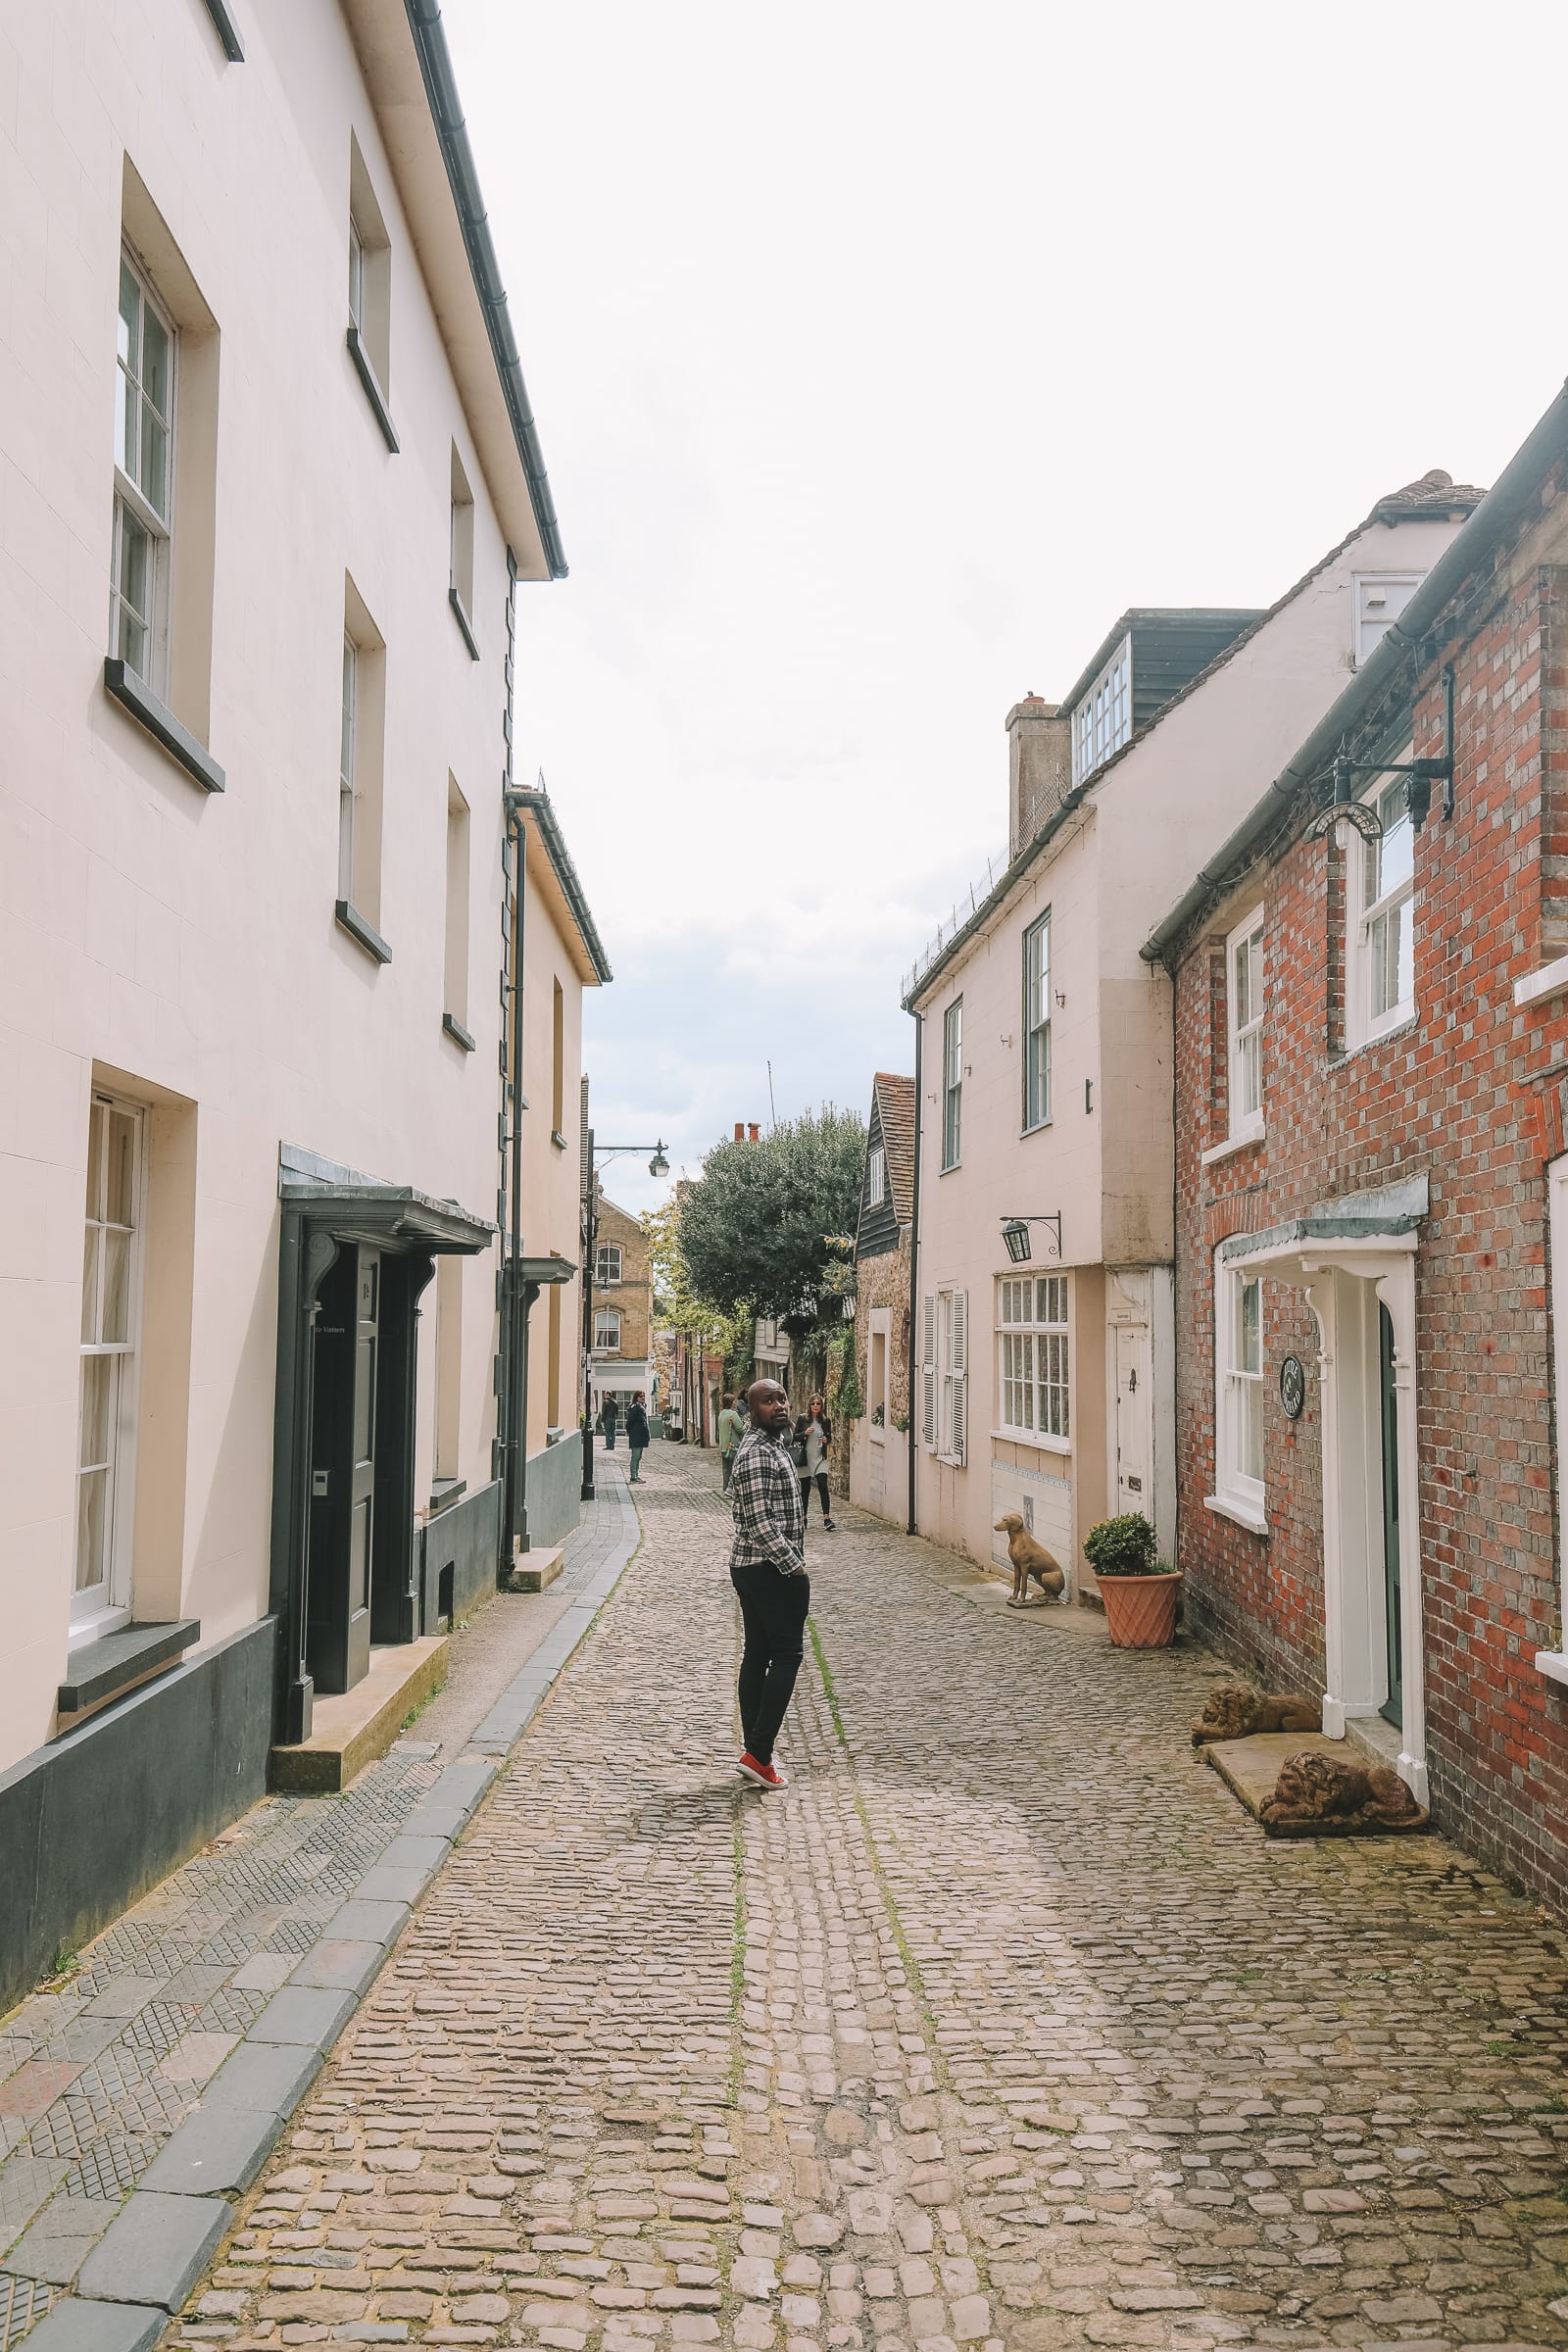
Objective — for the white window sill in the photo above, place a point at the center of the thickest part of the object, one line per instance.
(1547, 982)
(1232, 1142)
(1553, 1664)
(1379, 1037)
(878, 1436)
(1249, 1515)
(1034, 1437)
(950, 1461)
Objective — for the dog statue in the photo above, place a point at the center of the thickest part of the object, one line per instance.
(1321, 1795)
(1232, 1711)
(1029, 1560)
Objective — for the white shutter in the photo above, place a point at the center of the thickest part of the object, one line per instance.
(928, 1373)
(961, 1373)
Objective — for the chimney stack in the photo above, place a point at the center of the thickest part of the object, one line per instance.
(740, 1131)
(755, 1132)
(1038, 767)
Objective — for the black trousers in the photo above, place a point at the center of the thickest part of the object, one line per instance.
(805, 1494)
(773, 1613)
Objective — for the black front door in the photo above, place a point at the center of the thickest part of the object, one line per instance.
(1393, 1707)
(342, 1471)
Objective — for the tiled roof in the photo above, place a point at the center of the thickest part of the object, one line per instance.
(895, 1101)
(1436, 494)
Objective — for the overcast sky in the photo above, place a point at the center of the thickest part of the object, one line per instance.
(882, 353)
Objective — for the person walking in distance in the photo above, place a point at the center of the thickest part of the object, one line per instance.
(610, 1421)
(814, 1435)
(731, 1429)
(767, 1569)
(637, 1434)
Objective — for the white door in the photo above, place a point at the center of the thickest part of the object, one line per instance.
(1134, 1485)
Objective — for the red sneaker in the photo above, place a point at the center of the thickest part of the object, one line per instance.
(766, 1775)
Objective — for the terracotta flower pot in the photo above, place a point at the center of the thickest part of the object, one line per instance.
(1141, 1611)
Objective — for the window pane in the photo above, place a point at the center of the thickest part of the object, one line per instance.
(135, 563)
(97, 1393)
(154, 472)
(116, 1286)
(1249, 1447)
(1249, 1355)
(92, 1517)
(130, 316)
(120, 1197)
(125, 421)
(346, 739)
(154, 369)
(97, 1122)
(1397, 858)
(1241, 984)
(1250, 1075)
(89, 1283)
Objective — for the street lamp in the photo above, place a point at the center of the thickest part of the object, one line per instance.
(657, 1165)
(1015, 1234)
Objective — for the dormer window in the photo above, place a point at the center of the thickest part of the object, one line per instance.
(1104, 721)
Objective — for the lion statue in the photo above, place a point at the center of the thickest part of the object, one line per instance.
(1232, 1711)
(1331, 1796)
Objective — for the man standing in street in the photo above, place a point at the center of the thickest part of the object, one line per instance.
(637, 1434)
(730, 1430)
(767, 1569)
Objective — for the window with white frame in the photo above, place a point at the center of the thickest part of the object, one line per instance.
(1037, 1022)
(607, 1264)
(1238, 1388)
(1243, 1025)
(944, 1374)
(1380, 909)
(107, 1422)
(1104, 719)
(369, 273)
(1031, 1355)
(1379, 598)
(953, 1084)
(876, 1176)
(345, 770)
(140, 556)
(607, 1328)
(462, 583)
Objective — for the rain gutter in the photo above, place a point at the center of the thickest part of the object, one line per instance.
(441, 88)
(539, 806)
(1501, 508)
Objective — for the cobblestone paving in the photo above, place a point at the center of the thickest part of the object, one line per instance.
(1003, 2028)
(95, 2076)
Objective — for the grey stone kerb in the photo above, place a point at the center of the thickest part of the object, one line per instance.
(1386, 1213)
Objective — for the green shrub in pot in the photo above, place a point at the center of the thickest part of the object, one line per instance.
(1123, 1546)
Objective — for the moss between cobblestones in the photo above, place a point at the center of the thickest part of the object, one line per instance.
(737, 1969)
(939, 2064)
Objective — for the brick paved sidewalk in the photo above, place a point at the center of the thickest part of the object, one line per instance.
(96, 2075)
(1003, 2026)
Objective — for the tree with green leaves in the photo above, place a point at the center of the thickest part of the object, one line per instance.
(766, 1229)
(677, 1304)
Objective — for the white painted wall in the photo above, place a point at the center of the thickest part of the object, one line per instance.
(1106, 1159)
(188, 942)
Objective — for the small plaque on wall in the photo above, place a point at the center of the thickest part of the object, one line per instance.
(1292, 1387)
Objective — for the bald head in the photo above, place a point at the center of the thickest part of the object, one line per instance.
(767, 1405)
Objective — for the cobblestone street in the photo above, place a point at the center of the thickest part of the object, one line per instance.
(1003, 2027)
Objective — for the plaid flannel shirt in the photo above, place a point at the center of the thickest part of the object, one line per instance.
(765, 1497)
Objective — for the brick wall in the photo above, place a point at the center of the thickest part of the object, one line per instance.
(1471, 1094)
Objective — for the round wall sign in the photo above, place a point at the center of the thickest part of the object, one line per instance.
(1292, 1386)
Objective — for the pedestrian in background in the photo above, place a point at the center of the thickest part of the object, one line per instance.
(609, 1422)
(814, 1435)
(637, 1433)
(767, 1569)
(731, 1429)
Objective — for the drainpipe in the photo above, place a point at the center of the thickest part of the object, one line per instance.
(514, 1517)
(914, 1264)
(586, 1490)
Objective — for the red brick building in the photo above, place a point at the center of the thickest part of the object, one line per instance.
(1371, 1018)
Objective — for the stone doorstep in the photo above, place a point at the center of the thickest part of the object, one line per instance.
(354, 1728)
(1250, 1769)
(535, 1570)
